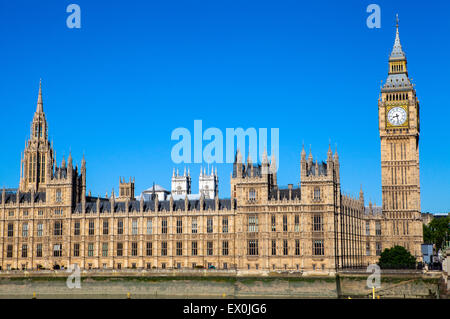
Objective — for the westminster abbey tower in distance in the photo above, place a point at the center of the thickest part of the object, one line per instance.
(50, 222)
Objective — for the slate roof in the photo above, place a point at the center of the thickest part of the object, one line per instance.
(11, 197)
(149, 206)
(284, 193)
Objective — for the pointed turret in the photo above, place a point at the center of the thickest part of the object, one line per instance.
(361, 195)
(310, 157)
(265, 163)
(265, 159)
(238, 156)
(303, 163)
(273, 169)
(336, 156)
(69, 159)
(329, 153)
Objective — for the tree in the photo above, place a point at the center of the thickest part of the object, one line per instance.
(437, 232)
(397, 257)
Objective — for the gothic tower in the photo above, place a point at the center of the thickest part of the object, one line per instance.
(37, 159)
(398, 111)
(181, 184)
(208, 183)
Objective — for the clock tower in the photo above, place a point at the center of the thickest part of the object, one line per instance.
(398, 116)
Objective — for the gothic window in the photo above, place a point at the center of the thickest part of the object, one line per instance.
(58, 195)
(194, 248)
(297, 247)
(105, 249)
(367, 228)
(119, 249)
(39, 250)
(57, 228)
(253, 223)
(134, 227)
(179, 248)
(318, 249)
(273, 222)
(367, 249)
(225, 248)
(225, 224)
(149, 226)
(297, 223)
(149, 248)
(91, 249)
(317, 223)
(105, 227)
(252, 194)
(24, 250)
(134, 248)
(378, 249)
(164, 226)
(40, 229)
(9, 251)
(120, 227)
(209, 248)
(25, 230)
(378, 228)
(316, 193)
(34, 167)
(274, 247)
(285, 223)
(252, 248)
(57, 250)
(194, 225)
(91, 227)
(10, 230)
(209, 225)
(179, 225)
(43, 169)
(285, 247)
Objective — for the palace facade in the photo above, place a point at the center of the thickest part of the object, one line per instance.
(50, 222)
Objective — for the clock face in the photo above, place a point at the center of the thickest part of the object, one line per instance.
(397, 116)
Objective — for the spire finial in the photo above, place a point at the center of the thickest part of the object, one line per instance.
(397, 52)
(39, 107)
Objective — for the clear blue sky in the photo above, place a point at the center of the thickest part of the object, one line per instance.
(116, 88)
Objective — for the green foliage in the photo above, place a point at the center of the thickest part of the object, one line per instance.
(397, 257)
(437, 232)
